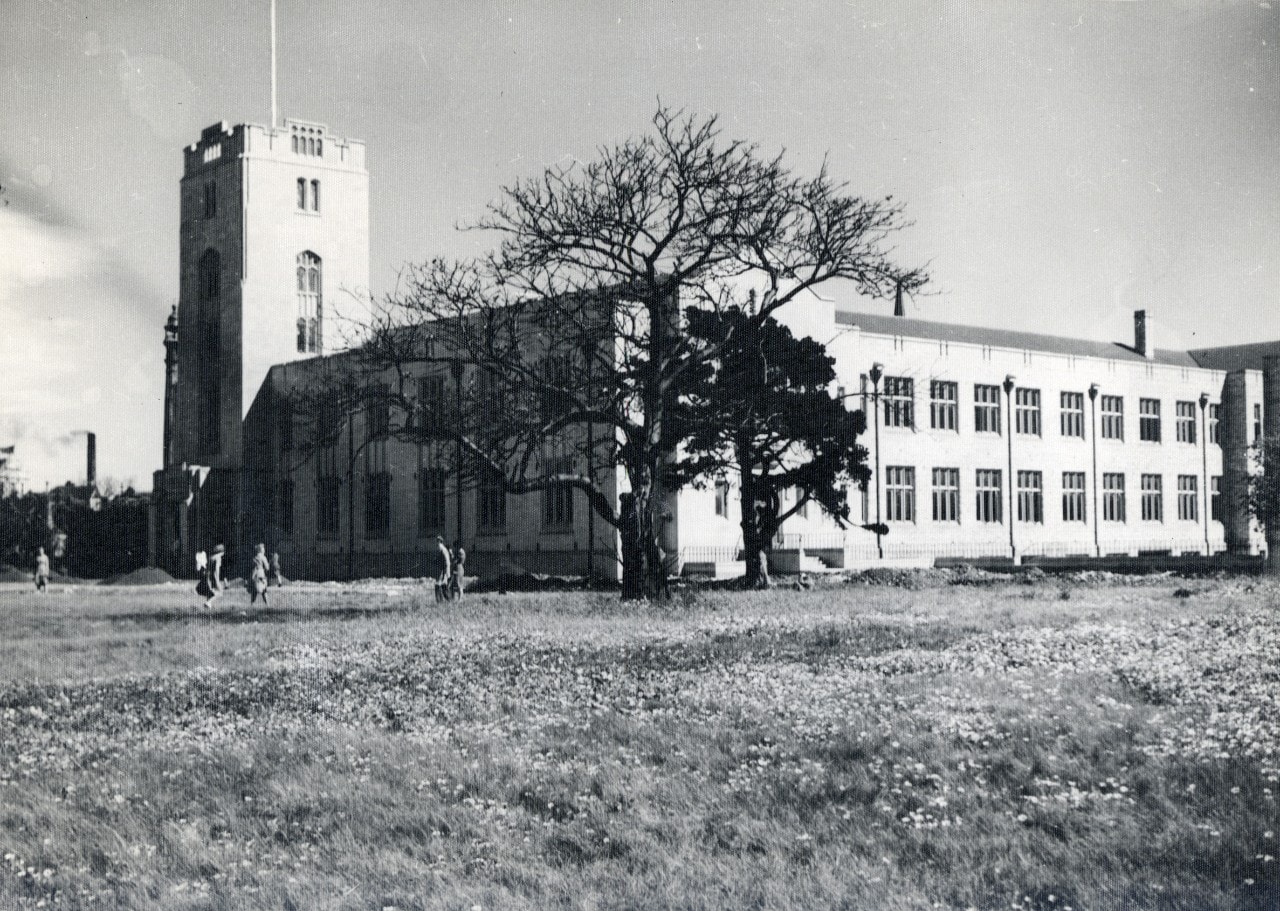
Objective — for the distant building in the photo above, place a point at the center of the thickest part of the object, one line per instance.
(12, 480)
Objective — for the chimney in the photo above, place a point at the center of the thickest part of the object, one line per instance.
(898, 309)
(1143, 335)
(91, 453)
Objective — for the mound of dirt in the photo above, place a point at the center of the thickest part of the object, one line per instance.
(147, 575)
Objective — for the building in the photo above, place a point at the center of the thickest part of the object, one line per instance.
(986, 443)
(274, 226)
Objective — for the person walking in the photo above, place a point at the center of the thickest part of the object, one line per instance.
(442, 580)
(275, 576)
(258, 576)
(42, 570)
(458, 580)
(212, 580)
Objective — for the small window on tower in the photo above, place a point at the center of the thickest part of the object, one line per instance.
(210, 200)
(315, 196)
(302, 192)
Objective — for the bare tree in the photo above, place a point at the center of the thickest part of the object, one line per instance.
(569, 333)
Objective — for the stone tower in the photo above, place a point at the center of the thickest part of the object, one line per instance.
(274, 233)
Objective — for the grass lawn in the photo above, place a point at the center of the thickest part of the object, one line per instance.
(1046, 746)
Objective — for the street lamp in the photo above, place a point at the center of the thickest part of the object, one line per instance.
(1010, 383)
(1204, 457)
(877, 371)
(1093, 436)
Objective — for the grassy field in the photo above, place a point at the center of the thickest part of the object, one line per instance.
(1048, 746)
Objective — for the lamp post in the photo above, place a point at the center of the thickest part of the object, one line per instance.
(877, 371)
(1204, 457)
(455, 366)
(1010, 382)
(1093, 437)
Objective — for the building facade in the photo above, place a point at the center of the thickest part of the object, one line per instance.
(274, 228)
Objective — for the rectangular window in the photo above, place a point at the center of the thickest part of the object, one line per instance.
(946, 495)
(431, 399)
(284, 507)
(899, 401)
(315, 196)
(1257, 423)
(1186, 414)
(557, 500)
(1073, 414)
(377, 504)
(210, 200)
(943, 397)
(1215, 498)
(1149, 420)
(1112, 417)
(900, 494)
(986, 409)
(1152, 498)
(1188, 498)
(1026, 411)
(302, 193)
(491, 504)
(431, 496)
(1215, 415)
(722, 498)
(328, 487)
(990, 494)
(1073, 497)
(1031, 497)
(1113, 497)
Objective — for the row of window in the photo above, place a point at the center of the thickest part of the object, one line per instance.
(900, 496)
(308, 195)
(898, 410)
(490, 503)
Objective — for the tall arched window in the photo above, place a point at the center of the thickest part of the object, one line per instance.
(209, 353)
(310, 304)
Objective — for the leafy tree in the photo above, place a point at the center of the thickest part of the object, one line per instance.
(571, 327)
(763, 410)
(1263, 494)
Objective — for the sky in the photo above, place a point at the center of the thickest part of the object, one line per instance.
(1063, 163)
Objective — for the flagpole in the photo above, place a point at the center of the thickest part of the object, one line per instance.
(274, 119)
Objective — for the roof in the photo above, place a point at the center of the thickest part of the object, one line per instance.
(1236, 357)
(1005, 338)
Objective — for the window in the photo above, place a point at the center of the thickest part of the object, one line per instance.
(307, 140)
(1113, 497)
(1215, 414)
(899, 402)
(210, 199)
(946, 495)
(986, 409)
(1215, 498)
(431, 494)
(1031, 497)
(1026, 411)
(557, 398)
(302, 194)
(315, 196)
(310, 304)
(942, 405)
(1188, 498)
(377, 504)
(1073, 414)
(209, 356)
(377, 479)
(1257, 422)
(491, 504)
(1152, 498)
(557, 500)
(990, 499)
(1073, 499)
(284, 507)
(1112, 417)
(900, 494)
(328, 486)
(722, 498)
(431, 398)
(1186, 429)
(1149, 420)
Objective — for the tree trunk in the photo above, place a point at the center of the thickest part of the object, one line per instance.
(1272, 566)
(644, 573)
(753, 541)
